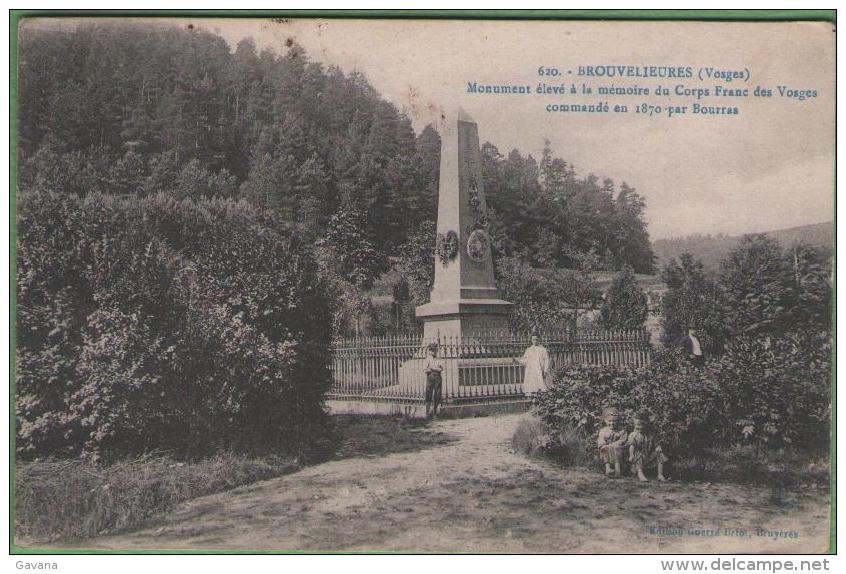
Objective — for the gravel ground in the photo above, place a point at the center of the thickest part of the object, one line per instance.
(456, 486)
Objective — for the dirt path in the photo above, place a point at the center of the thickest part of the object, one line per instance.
(466, 491)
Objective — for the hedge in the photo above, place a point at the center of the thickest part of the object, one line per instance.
(156, 323)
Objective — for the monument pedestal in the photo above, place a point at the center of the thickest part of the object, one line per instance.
(463, 318)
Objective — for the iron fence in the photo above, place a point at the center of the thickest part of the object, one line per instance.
(483, 365)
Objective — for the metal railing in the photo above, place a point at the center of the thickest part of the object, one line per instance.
(479, 366)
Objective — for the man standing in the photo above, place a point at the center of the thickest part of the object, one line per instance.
(434, 380)
(693, 348)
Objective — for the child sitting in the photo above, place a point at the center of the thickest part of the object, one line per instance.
(644, 450)
(611, 442)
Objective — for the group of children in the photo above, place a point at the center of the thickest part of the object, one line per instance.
(642, 449)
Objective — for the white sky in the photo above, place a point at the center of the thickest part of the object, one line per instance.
(771, 167)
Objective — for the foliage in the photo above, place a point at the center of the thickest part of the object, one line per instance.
(415, 264)
(545, 298)
(624, 306)
(785, 395)
(530, 437)
(692, 301)
(711, 249)
(760, 290)
(352, 246)
(153, 323)
(770, 291)
(685, 405)
(543, 213)
(196, 182)
(768, 392)
(117, 107)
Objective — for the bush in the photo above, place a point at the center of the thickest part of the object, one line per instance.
(686, 406)
(530, 437)
(785, 398)
(765, 395)
(567, 446)
(156, 323)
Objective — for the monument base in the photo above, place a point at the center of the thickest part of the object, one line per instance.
(463, 317)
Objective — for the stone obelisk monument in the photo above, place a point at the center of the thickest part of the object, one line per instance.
(464, 297)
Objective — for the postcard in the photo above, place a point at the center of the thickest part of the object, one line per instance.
(423, 285)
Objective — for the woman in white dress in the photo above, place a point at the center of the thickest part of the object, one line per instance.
(536, 361)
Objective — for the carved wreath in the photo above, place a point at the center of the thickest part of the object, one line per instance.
(478, 245)
(446, 246)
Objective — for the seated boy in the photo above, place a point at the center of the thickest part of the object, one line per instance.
(611, 442)
(644, 450)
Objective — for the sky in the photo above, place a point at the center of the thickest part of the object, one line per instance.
(770, 167)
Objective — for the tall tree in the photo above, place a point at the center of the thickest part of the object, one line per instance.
(349, 239)
(756, 281)
(624, 306)
(692, 301)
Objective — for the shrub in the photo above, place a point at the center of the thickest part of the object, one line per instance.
(686, 407)
(530, 437)
(779, 388)
(764, 393)
(156, 323)
(566, 445)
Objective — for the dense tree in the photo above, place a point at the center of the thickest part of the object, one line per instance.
(760, 291)
(416, 262)
(348, 238)
(767, 290)
(546, 299)
(755, 279)
(624, 306)
(692, 301)
(544, 214)
(711, 249)
(124, 108)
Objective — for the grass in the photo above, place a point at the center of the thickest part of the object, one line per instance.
(66, 500)
(72, 499)
(372, 436)
(780, 467)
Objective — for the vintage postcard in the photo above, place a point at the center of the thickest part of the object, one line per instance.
(423, 285)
